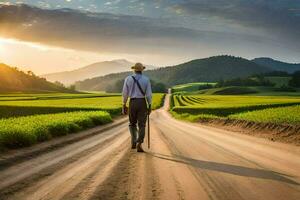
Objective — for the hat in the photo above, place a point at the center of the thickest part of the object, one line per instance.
(138, 67)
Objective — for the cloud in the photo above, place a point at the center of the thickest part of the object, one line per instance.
(85, 30)
(278, 19)
(128, 34)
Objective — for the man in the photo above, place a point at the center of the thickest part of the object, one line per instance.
(137, 87)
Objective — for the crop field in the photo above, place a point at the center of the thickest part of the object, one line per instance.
(194, 107)
(44, 96)
(189, 87)
(25, 131)
(243, 90)
(231, 90)
(68, 103)
(28, 119)
(281, 115)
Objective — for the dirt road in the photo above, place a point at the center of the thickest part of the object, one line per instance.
(186, 161)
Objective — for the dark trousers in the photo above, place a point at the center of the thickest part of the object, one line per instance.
(137, 116)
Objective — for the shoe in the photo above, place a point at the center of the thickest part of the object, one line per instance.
(139, 148)
(133, 146)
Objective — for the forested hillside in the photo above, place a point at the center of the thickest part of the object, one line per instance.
(201, 70)
(276, 65)
(14, 80)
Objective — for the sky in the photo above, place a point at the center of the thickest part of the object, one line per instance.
(58, 35)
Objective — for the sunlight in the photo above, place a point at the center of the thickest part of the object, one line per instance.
(1, 47)
(4, 41)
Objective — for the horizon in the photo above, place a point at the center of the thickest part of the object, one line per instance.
(159, 33)
(24, 69)
(155, 66)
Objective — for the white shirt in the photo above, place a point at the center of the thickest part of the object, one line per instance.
(131, 89)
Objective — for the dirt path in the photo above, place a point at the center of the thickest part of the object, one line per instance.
(186, 161)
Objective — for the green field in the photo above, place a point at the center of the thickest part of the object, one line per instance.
(248, 91)
(231, 90)
(45, 96)
(189, 87)
(197, 88)
(26, 119)
(282, 115)
(195, 107)
(65, 103)
(25, 131)
(30, 107)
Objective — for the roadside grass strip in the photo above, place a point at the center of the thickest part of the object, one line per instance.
(192, 117)
(26, 131)
(158, 100)
(281, 115)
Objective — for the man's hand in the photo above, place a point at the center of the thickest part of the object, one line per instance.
(149, 109)
(124, 110)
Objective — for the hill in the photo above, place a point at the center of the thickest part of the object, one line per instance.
(201, 70)
(276, 65)
(90, 71)
(14, 80)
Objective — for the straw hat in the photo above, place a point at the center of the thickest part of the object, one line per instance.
(138, 67)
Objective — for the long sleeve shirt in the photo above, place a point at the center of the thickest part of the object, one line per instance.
(131, 89)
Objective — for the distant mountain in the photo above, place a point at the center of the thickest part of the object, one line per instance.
(91, 71)
(14, 80)
(201, 70)
(277, 65)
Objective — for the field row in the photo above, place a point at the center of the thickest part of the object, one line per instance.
(210, 101)
(111, 104)
(25, 131)
(26, 122)
(258, 109)
(46, 96)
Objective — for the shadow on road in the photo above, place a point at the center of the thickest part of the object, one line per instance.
(226, 168)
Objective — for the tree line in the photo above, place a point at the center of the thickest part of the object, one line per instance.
(260, 80)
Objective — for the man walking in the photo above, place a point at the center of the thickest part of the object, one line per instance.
(137, 87)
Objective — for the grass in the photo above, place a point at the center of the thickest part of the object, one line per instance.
(215, 101)
(235, 90)
(230, 90)
(189, 87)
(192, 117)
(25, 131)
(104, 102)
(26, 119)
(30, 107)
(282, 115)
(195, 107)
(248, 91)
(111, 104)
(158, 100)
(44, 96)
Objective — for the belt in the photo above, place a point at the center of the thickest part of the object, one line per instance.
(137, 98)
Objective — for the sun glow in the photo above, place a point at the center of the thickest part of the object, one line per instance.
(1, 47)
(42, 59)
(4, 41)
